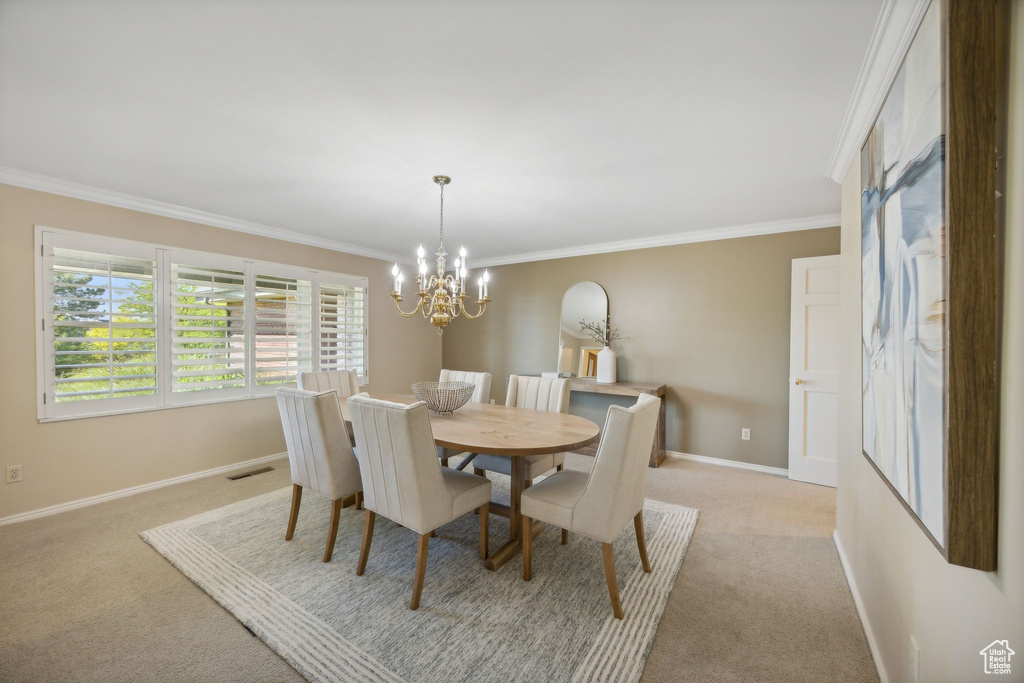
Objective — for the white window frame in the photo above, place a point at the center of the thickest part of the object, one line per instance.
(44, 333)
(286, 272)
(344, 281)
(208, 260)
(48, 410)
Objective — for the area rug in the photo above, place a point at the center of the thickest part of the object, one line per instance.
(472, 624)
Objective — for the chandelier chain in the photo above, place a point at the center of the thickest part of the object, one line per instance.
(442, 213)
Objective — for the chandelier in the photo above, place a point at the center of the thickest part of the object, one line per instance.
(442, 298)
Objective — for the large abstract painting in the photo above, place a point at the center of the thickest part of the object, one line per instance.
(903, 275)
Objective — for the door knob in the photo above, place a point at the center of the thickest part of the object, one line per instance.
(798, 381)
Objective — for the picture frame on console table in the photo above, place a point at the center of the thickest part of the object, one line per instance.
(930, 283)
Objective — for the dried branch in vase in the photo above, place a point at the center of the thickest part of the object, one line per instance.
(600, 332)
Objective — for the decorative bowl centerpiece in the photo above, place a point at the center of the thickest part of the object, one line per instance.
(443, 397)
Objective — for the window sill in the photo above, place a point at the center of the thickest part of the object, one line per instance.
(150, 409)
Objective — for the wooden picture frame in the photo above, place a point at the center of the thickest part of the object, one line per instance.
(967, 535)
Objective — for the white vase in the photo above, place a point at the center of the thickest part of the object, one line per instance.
(606, 366)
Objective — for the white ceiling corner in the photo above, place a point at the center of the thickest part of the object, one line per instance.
(897, 23)
(34, 181)
(693, 236)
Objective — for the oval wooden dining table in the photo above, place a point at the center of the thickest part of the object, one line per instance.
(501, 430)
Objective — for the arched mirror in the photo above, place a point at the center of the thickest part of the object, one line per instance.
(577, 351)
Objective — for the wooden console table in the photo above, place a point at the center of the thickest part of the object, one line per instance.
(628, 389)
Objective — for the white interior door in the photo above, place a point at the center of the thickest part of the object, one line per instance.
(814, 370)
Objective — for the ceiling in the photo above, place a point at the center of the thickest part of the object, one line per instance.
(563, 124)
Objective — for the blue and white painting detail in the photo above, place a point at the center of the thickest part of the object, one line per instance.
(903, 298)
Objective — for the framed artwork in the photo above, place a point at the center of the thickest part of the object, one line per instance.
(929, 283)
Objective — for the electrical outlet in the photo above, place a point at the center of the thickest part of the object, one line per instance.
(745, 434)
(915, 661)
(492, 401)
(13, 474)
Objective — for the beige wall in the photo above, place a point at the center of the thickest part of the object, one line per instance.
(65, 461)
(710, 320)
(905, 587)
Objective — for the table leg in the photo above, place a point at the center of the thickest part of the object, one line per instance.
(658, 448)
(515, 518)
(462, 465)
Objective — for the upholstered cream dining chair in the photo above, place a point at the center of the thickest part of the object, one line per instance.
(344, 382)
(600, 504)
(319, 454)
(534, 393)
(481, 394)
(404, 482)
(481, 380)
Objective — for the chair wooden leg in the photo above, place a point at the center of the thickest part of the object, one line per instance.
(364, 551)
(359, 501)
(332, 533)
(421, 570)
(480, 473)
(609, 575)
(444, 462)
(527, 548)
(528, 484)
(558, 468)
(485, 520)
(641, 542)
(293, 517)
(565, 536)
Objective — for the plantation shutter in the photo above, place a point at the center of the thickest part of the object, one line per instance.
(128, 326)
(282, 335)
(342, 328)
(207, 329)
(100, 328)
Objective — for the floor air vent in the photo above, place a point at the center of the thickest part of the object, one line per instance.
(243, 475)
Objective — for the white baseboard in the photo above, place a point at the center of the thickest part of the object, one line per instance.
(103, 497)
(859, 604)
(778, 471)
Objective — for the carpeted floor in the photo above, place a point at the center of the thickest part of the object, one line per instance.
(472, 625)
(760, 595)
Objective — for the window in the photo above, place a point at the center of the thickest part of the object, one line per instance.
(207, 330)
(342, 343)
(283, 336)
(129, 326)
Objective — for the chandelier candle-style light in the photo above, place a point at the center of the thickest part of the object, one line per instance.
(442, 296)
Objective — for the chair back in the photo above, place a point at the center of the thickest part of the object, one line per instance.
(538, 393)
(481, 380)
(402, 477)
(319, 451)
(344, 382)
(615, 492)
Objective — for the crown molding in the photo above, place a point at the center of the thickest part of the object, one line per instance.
(67, 188)
(894, 30)
(711, 234)
(34, 181)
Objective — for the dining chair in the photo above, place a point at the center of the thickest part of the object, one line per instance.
(481, 394)
(319, 454)
(344, 382)
(404, 482)
(480, 380)
(600, 504)
(534, 393)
